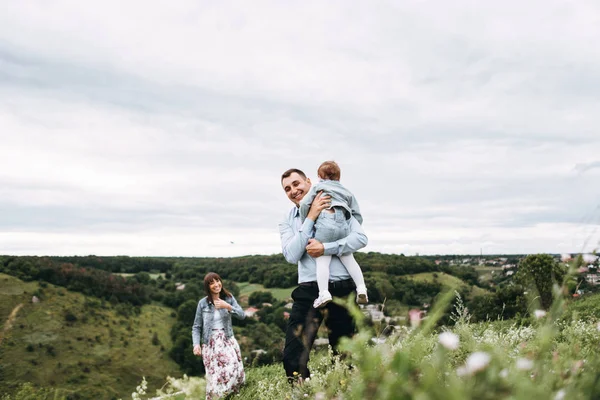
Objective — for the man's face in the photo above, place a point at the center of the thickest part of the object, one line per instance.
(295, 187)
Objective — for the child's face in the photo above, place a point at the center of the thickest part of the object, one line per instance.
(295, 187)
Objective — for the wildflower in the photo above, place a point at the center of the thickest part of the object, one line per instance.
(305, 394)
(476, 362)
(560, 395)
(414, 316)
(598, 326)
(539, 314)
(504, 373)
(524, 364)
(589, 258)
(565, 257)
(295, 373)
(449, 340)
(320, 396)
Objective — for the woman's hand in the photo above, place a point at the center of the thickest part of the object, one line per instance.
(198, 350)
(219, 303)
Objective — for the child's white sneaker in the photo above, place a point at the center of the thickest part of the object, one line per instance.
(361, 295)
(323, 299)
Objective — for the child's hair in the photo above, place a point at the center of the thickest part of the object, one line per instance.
(210, 278)
(329, 170)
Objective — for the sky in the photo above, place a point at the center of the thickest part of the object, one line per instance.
(161, 128)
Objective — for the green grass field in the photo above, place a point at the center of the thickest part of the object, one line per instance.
(247, 288)
(98, 354)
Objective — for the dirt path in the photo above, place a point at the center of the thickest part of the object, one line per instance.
(9, 321)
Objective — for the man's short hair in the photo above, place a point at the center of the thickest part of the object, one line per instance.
(329, 170)
(291, 171)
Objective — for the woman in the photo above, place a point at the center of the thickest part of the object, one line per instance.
(213, 339)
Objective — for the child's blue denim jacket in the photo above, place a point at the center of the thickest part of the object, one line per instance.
(202, 328)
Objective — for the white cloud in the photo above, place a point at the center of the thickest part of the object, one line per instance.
(458, 126)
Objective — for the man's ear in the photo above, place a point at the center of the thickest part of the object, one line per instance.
(308, 180)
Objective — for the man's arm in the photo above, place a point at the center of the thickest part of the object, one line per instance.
(356, 240)
(293, 243)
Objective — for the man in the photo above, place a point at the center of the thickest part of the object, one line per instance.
(299, 248)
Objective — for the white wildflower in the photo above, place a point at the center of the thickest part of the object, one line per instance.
(504, 373)
(539, 314)
(524, 364)
(477, 361)
(560, 395)
(449, 340)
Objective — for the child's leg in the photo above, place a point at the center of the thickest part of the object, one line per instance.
(323, 272)
(323, 281)
(357, 276)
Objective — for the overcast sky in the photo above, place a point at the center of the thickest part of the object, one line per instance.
(163, 127)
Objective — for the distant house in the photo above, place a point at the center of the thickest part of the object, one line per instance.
(593, 279)
(180, 286)
(250, 311)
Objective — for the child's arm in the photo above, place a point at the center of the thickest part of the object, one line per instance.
(353, 203)
(306, 202)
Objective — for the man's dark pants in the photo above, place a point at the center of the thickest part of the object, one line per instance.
(305, 320)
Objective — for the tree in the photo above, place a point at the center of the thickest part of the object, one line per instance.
(259, 297)
(540, 272)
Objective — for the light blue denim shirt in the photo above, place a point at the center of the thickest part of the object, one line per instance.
(340, 197)
(294, 238)
(202, 328)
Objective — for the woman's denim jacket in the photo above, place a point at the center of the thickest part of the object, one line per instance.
(202, 328)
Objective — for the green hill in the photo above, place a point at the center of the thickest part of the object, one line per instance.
(448, 281)
(80, 345)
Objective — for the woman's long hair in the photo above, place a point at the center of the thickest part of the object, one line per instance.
(210, 278)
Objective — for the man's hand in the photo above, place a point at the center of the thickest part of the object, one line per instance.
(197, 350)
(321, 202)
(315, 248)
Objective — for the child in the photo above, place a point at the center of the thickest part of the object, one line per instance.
(331, 225)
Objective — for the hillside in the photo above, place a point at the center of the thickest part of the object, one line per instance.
(79, 344)
(447, 281)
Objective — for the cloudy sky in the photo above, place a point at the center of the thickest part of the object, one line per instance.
(162, 127)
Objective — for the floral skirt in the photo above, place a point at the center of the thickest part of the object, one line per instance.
(223, 365)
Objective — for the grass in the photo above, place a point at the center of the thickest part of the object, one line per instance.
(100, 355)
(246, 288)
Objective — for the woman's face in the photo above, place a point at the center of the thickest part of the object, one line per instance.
(215, 286)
